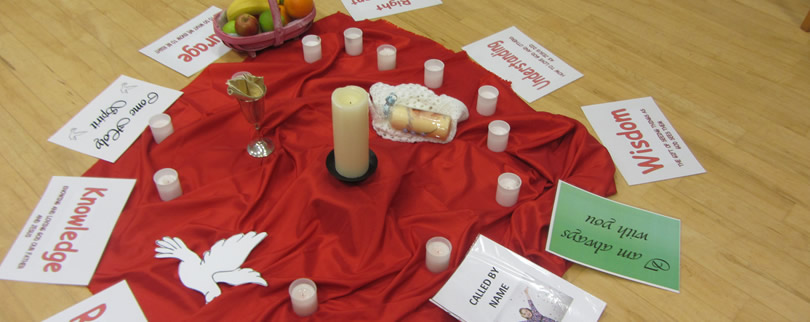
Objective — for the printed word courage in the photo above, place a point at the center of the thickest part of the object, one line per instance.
(189, 51)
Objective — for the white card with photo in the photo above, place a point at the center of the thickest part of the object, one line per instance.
(641, 141)
(538, 301)
(191, 47)
(113, 120)
(63, 239)
(116, 303)
(533, 70)
(493, 283)
(370, 9)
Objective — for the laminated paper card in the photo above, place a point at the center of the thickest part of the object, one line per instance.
(63, 239)
(116, 303)
(191, 47)
(641, 141)
(533, 70)
(113, 120)
(370, 9)
(493, 283)
(615, 238)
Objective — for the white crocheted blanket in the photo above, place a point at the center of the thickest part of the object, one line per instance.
(414, 96)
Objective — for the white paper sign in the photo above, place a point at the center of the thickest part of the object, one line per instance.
(190, 47)
(62, 241)
(533, 70)
(370, 9)
(107, 126)
(493, 283)
(116, 303)
(641, 141)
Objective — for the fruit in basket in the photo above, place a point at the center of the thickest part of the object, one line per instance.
(284, 16)
(253, 7)
(246, 25)
(266, 19)
(298, 8)
(229, 27)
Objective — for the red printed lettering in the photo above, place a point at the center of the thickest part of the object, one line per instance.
(77, 220)
(392, 3)
(651, 166)
(498, 50)
(76, 223)
(98, 191)
(191, 51)
(69, 235)
(92, 314)
(630, 131)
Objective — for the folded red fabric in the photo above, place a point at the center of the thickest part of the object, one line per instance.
(363, 244)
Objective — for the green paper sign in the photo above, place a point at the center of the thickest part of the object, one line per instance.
(615, 238)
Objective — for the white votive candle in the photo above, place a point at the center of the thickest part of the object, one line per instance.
(437, 254)
(304, 296)
(161, 126)
(434, 73)
(168, 184)
(353, 39)
(487, 100)
(498, 136)
(350, 131)
(312, 48)
(508, 189)
(386, 57)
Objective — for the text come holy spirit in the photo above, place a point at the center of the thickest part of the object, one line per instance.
(114, 133)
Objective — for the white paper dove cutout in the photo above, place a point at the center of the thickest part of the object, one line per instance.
(221, 264)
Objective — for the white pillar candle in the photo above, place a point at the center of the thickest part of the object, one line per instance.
(434, 73)
(168, 184)
(161, 126)
(487, 100)
(350, 131)
(437, 254)
(312, 48)
(508, 189)
(498, 136)
(304, 296)
(353, 39)
(386, 57)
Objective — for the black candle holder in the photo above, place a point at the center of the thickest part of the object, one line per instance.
(372, 166)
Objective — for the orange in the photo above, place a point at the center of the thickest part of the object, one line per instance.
(298, 8)
(285, 18)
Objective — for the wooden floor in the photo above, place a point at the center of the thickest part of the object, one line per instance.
(733, 77)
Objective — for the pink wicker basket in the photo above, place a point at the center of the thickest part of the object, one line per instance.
(255, 43)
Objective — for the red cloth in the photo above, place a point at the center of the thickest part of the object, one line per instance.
(362, 244)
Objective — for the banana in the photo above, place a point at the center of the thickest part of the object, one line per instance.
(253, 7)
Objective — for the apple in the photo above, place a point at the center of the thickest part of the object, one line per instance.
(230, 27)
(246, 25)
(266, 21)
